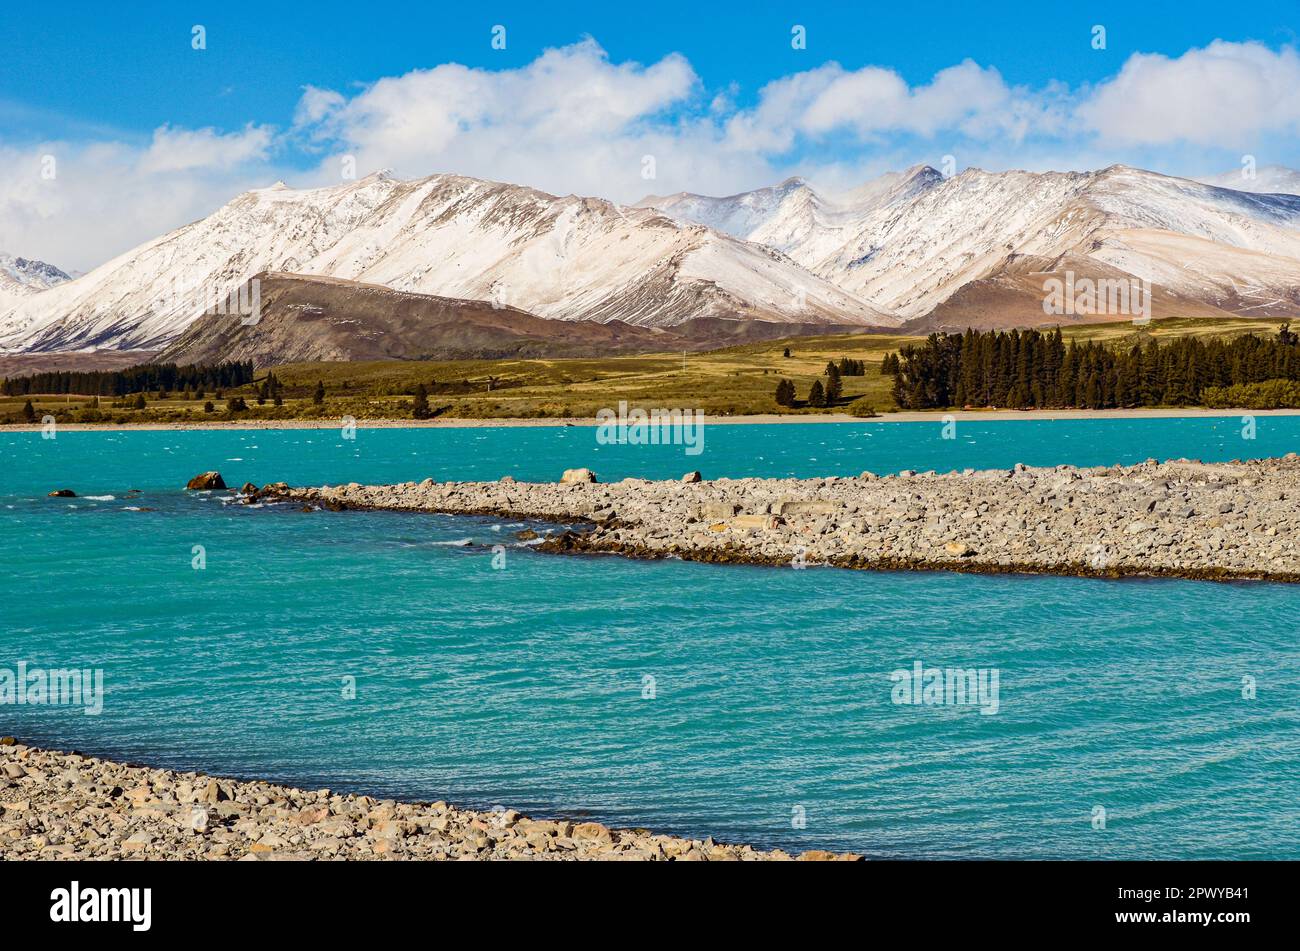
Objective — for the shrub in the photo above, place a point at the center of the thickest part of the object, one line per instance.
(862, 407)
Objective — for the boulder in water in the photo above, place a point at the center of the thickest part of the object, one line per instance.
(63, 494)
(206, 482)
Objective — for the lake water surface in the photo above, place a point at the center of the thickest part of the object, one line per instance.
(698, 699)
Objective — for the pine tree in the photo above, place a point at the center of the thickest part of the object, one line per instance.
(785, 393)
(817, 395)
(29, 412)
(420, 404)
(319, 396)
(834, 386)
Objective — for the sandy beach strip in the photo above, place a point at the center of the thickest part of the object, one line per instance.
(768, 419)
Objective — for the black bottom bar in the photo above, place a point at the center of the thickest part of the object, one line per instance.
(943, 902)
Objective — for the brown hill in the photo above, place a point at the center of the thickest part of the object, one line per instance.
(304, 318)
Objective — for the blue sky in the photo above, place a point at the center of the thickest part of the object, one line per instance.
(128, 66)
(149, 132)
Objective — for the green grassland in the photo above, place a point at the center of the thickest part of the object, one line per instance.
(737, 380)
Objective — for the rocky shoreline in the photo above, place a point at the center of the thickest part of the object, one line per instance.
(1180, 518)
(56, 805)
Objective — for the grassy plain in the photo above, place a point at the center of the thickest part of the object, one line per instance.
(734, 381)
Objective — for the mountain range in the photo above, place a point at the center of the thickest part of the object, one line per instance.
(911, 249)
(967, 249)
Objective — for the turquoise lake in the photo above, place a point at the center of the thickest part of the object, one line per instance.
(686, 698)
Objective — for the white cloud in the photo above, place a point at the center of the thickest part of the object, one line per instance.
(1224, 92)
(572, 121)
(177, 150)
(967, 98)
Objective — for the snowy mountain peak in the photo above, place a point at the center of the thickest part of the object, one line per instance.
(36, 275)
(21, 278)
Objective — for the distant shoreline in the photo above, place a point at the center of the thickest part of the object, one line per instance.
(764, 419)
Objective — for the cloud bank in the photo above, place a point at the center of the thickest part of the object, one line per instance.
(574, 121)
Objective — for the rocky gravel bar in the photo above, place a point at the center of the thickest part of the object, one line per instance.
(1180, 518)
(68, 806)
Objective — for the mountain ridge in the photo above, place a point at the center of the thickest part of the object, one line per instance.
(910, 242)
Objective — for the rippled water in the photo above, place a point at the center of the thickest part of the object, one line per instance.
(527, 686)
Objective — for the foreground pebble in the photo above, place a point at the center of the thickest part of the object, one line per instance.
(67, 806)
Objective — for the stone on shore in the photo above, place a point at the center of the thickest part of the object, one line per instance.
(693, 477)
(206, 482)
(577, 477)
(168, 815)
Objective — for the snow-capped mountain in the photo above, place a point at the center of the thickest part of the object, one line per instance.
(1269, 180)
(975, 248)
(909, 242)
(566, 258)
(23, 277)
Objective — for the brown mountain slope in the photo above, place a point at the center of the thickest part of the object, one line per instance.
(1013, 295)
(304, 318)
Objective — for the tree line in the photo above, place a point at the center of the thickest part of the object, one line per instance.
(1030, 369)
(145, 378)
